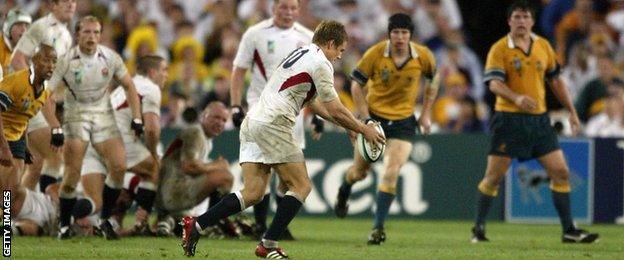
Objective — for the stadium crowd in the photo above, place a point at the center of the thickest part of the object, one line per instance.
(200, 39)
(198, 42)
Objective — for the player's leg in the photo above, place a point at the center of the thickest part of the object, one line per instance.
(280, 192)
(495, 171)
(114, 156)
(45, 168)
(397, 152)
(355, 173)
(92, 184)
(74, 148)
(295, 176)
(557, 169)
(255, 179)
(147, 168)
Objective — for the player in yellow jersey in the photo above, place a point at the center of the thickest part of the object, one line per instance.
(390, 73)
(14, 27)
(22, 95)
(516, 68)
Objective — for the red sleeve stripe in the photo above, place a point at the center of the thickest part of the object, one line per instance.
(300, 78)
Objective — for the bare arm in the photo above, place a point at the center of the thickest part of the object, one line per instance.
(500, 89)
(19, 61)
(131, 95)
(344, 118)
(358, 93)
(6, 157)
(320, 110)
(151, 122)
(431, 91)
(49, 112)
(237, 85)
(196, 167)
(560, 91)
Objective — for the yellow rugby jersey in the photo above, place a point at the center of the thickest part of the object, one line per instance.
(5, 53)
(524, 73)
(19, 102)
(392, 89)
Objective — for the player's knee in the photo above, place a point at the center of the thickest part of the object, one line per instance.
(304, 189)
(67, 189)
(560, 174)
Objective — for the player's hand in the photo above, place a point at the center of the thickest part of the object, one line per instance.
(575, 124)
(6, 156)
(372, 136)
(424, 122)
(137, 126)
(238, 114)
(318, 126)
(57, 139)
(222, 162)
(525, 103)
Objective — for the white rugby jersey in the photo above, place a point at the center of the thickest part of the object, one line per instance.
(149, 94)
(87, 78)
(262, 47)
(48, 29)
(302, 76)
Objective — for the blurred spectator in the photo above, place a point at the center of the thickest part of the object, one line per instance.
(455, 56)
(615, 19)
(143, 40)
(580, 69)
(609, 123)
(432, 17)
(590, 100)
(552, 14)
(574, 27)
(469, 120)
(219, 86)
(447, 106)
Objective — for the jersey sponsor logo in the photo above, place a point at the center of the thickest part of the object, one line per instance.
(78, 75)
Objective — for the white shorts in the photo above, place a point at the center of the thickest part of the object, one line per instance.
(299, 131)
(41, 209)
(178, 191)
(92, 127)
(36, 122)
(136, 152)
(268, 144)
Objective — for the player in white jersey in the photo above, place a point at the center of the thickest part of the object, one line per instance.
(262, 47)
(305, 77)
(187, 175)
(141, 158)
(37, 213)
(87, 71)
(52, 28)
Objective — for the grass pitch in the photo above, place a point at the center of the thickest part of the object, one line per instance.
(331, 238)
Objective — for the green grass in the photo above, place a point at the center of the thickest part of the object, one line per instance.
(330, 238)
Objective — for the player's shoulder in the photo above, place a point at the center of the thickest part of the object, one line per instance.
(107, 52)
(15, 80)
(378, 49)
(43, 22)
(192, 133)
(541, 41)
(300, 28)
(145, 86)
(260, 26)
(421, 49)
(501, 44)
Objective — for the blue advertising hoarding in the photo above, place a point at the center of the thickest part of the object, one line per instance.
(528, 197)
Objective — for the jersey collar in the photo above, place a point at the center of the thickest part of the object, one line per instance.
(31, 80)
(413, 51)
(53, 21)
(510, 43)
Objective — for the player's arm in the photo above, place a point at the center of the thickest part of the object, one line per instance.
(25, 48)
(49, 113)
(561, 92)
(343, 117)
(431, 92)
(152, 131)
(190, 160)
(237, 85)
(358, 93)
(501, 89)
(6, 99)
(133, 100)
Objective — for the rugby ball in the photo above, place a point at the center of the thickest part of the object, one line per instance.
(369, 152)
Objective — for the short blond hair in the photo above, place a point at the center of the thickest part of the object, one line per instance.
(328, 31)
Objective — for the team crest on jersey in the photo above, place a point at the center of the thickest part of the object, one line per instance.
(517, 64)
(385, 75)
(271, 46)
(539, 65)
(25, 104)
(105, 72)
(78, 76)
